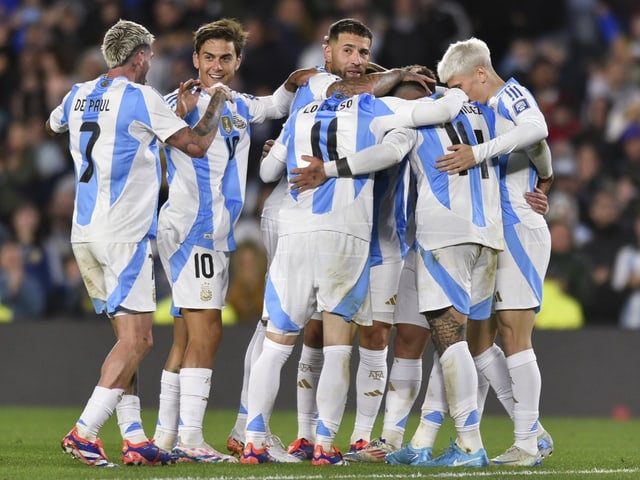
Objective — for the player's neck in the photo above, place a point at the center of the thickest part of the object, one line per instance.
(121, 71)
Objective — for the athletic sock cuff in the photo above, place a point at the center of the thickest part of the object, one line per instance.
(521, 358)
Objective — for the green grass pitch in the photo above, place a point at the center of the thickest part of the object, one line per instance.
(586, 448)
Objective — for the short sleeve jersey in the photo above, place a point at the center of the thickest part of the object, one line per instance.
(113, 129)
(206, 194)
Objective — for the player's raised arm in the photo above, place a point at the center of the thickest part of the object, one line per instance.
(196, 141)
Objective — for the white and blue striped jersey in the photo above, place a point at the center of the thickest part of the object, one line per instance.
(517, 114)
(332, 129)
(519, 124)
(206, 194)
(315, 88)
(390, 212)
(113, 128)
(460, 208)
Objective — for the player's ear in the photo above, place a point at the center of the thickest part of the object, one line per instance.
(326, 49)
(196, 60)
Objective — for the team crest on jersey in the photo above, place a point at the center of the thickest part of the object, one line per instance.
(239, 123)
(206, 293)
(226, 124)
(520, 106)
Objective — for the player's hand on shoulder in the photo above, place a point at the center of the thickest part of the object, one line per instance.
(299, 77)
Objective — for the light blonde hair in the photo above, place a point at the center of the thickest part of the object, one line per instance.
(122, 40)
(462, 57)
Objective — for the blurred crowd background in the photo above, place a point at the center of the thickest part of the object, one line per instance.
(580, 58)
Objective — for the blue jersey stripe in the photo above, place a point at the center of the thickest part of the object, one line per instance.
(87, 188)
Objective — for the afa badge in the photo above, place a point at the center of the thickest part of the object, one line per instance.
(239, 123)
(520, 106)
(206, 293)
(226, 123)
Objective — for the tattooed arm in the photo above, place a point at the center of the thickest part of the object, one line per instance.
(379, 83)
(196, 141)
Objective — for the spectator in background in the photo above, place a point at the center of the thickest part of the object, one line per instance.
(623, 92)
(606, 237)
(172, 47)
(74, 301)
(199, 12)
(559, 311)
(625, 278)
(90, 65)
(567, 267)
(64, 20)
(629, 160)
(19, 178)
(518, 59)
(20, 291)
(419, 32)
(591, 175)
(59, 213)
(103, 14)
(27, 229)
(8, 79)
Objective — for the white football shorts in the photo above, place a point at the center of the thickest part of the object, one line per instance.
(522, 267)
(199, 276)
(384, 290)
(462, 276)
(269, 235)
(118, 276)
(407, 310)
(318, 271)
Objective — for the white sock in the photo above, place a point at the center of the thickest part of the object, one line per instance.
(492, 365)
(483, 390)
(371, 381)
(168, 411)
(263, 389)
(333, 386)
(254, 349)
(98, 410)
(434, 408)
(309, 368)
(129, 419)
(195, 387)
(527, 384)
(405, 380)
(461, 386)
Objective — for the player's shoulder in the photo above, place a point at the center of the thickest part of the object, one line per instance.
(515, 97)
(512, 92)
